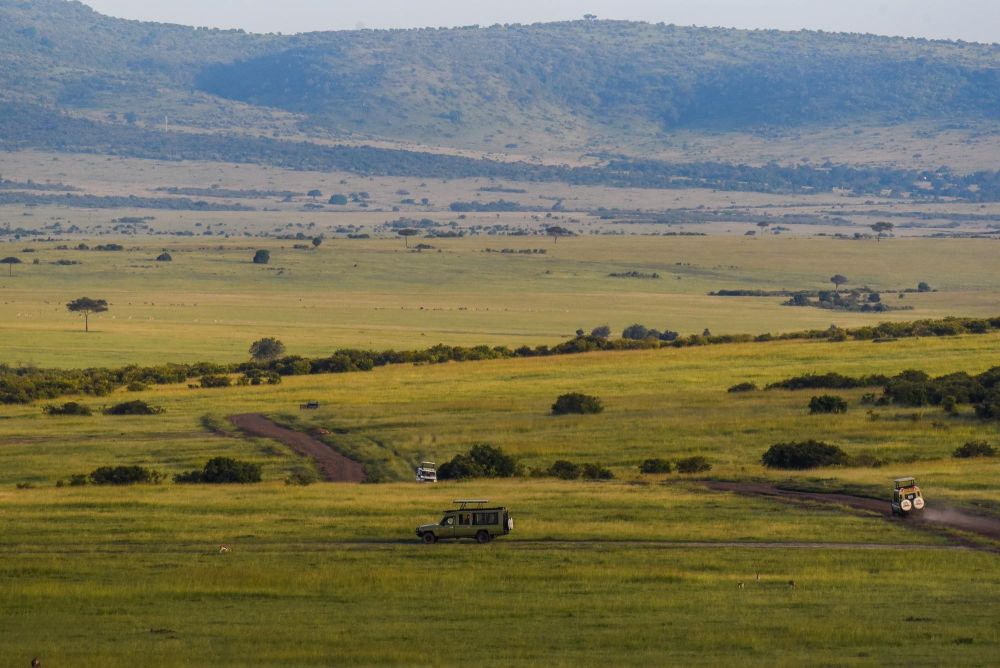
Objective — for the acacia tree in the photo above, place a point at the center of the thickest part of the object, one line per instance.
(556, 231)
(10, 262)
(763, 226)
(880, 228)
(406, 233)
(316, 241)
(266, 349)
(86, 306)
(838, 280)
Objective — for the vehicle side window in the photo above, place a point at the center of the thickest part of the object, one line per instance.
(463, 518)
(447, 521)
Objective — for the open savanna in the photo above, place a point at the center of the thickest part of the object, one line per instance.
(635, 571)
(668, 403)
(210, 302)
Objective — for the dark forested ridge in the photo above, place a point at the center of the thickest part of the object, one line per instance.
(508, 79)
(30, 126)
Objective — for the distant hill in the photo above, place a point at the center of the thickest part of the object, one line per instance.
(576, 81)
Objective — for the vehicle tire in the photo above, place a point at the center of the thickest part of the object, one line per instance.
(905, 505)
(918, 503)
(483, 537)
(429, 538)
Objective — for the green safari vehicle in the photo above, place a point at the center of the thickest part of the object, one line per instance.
(472, 519)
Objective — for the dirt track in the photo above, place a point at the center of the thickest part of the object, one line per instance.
(334, 466)
(931, 518)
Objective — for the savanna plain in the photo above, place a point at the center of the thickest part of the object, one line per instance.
(640, 569)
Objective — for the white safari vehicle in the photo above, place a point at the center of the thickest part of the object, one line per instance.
(427, 472)
(906, 496)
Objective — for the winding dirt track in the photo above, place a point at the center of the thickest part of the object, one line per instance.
(931, 518)
(334, 466)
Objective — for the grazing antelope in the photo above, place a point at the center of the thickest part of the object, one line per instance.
(223, 549)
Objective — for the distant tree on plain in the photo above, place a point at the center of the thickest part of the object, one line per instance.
(262, 257)
(314, 193)
(838, 280)
(880, 229)
(339, 200)
(602, 332)
(266, 349)
(406, 233)
(317, 241)
(635, 332)
(10, 262)
(86, 306)
(555, 231)
(164, 257)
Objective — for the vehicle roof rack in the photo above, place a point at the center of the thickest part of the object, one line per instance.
(465, 502)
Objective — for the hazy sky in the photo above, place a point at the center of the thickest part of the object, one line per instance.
(971, 20)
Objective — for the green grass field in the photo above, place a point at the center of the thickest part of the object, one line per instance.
(642, 570)
(211, 301)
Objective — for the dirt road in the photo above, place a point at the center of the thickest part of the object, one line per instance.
(334, 466)
(931, 518)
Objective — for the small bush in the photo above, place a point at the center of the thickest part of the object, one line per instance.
(137, 407)
(123, 475)
(827, 403)
(597, 472)
(575, 402)
(215, 381)
(301, 475)
(867, 459)
(262, 257)
(697, 464)
(136, 386)
(803, 455)
(482, 461)
(68, 408)
(655, 466)
(743, 387)
(565, 470)
(78, 480)
(975, 449)
(221, 470)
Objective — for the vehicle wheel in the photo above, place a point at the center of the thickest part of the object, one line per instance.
(905, 505)
(918, 503)
(483, 537)
(429, 538)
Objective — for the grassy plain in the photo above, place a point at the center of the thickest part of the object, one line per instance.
(211, 301)
(595, 572)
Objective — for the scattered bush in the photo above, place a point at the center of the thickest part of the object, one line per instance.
(827, 403)
(78, 480)
(68, 408)
(482, 461)
(301, 475)
(829, 381)
(602, 332)
(565, 470)
(803, 455)
(635, 332)
(597, 472)
(215, 381)
(262, 257)
(696, 464)
(575, 402)
(222, 470)
(975, 449)
(136, 386)
(655, 466)
(743, 387)
(164, 257)
(122, 475)
(136, 407)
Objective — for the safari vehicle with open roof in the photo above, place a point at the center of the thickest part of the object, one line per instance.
(472, 519)
(906, 496)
